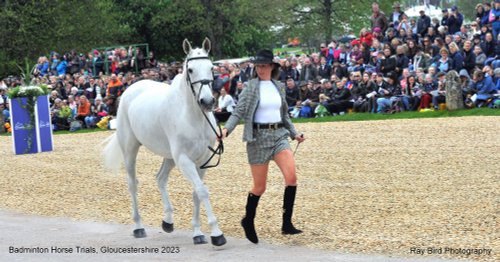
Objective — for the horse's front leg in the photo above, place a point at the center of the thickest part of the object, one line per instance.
(198, 236)
(162, 180)
(190, 171)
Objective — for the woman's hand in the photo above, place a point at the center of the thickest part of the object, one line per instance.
(300, 138)
(223, 134)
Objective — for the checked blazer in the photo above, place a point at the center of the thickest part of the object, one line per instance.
(246, 107)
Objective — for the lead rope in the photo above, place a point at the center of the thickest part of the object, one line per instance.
(220, 148)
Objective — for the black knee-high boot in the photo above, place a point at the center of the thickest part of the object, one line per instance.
(288, 202)
(247, 222)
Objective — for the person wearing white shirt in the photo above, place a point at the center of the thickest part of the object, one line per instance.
(263, 107)
(226, 106)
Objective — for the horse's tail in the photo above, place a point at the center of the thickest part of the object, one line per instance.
(112, 154)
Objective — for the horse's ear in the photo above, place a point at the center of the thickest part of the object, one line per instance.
(186, 46)
(207, 45)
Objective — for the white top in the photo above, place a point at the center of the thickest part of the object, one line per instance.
(269, 109)
(227, 102)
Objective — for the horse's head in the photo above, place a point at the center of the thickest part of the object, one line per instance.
(198, 69)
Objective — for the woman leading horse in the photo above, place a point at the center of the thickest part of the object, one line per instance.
(263, 107)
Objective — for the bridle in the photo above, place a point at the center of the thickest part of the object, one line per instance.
(203, 82)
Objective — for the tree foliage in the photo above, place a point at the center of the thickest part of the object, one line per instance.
(34, 28)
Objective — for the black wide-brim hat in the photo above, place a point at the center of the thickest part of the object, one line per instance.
(264, 57)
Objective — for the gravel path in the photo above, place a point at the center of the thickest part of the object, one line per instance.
(377, 187)
(52, 239)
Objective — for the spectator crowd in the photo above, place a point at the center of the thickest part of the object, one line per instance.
(398, 64)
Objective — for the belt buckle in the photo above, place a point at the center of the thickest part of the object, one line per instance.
(273, 126)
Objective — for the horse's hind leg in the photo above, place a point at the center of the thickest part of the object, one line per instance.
(162, 179)
(130, 159)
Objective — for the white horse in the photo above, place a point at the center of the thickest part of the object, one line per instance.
(176, 123)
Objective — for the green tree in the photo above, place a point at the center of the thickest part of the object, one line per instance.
(318, 21)
(34, 28)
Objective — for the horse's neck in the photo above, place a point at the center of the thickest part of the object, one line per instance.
(188, 98)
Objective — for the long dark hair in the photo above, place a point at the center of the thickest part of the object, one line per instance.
(275, 74)
(408, 83)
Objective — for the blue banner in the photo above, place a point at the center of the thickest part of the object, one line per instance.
(44, 125)
(31, 139)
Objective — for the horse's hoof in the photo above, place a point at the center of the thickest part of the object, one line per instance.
(219, 241)
(167, 227)
(139, 233)
(198, 240)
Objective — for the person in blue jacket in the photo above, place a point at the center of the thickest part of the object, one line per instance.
(483, 86)
(495, 11)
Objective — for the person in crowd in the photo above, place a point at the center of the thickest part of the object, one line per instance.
(61, 116)
(340, 102)
(469, 57)
(287, 71)
(390, 95)
(444, 18)
(411, 94)
(457, 57)
(366, 37)
(494, 19)
(466, 86)
(455, 20)
(83, 109)
(396, 15)
(483, 87)
(292, 93)
(428, 87)
(423, 22)
(439, 95)
(367, 84)
(388, 62)
(239, 88)
(324, 70)
(115, 86)
(481, 14)
(97, 111)
(225, 106)
(420, 60)
(308, 72)
(223, 80)
(489, 46)
(83, 88)
(72, 105)
(62, 66)
(378, 19)
(358, 93)
(42, 67)
(444, 63)
(402, 61)
(267, 126)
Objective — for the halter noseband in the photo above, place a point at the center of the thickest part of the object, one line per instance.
(220, 148)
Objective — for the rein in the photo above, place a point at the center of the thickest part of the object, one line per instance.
(220, 148)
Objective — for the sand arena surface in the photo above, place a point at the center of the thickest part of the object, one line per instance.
(375, 187)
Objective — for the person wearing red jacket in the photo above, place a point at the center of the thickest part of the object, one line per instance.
(366, 36)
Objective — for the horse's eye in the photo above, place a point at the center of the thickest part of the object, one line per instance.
(190, 70)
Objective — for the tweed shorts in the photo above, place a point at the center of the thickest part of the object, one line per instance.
(268, 143)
